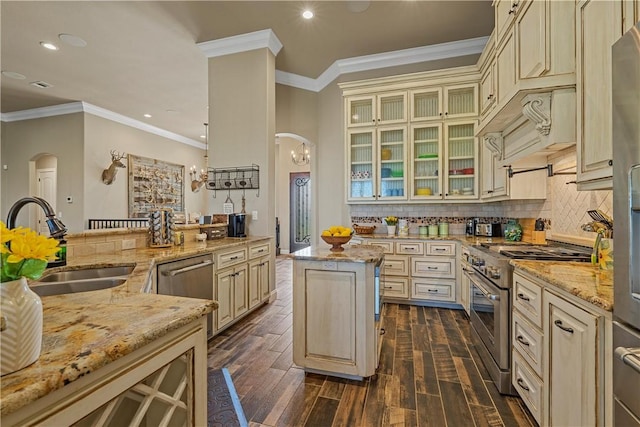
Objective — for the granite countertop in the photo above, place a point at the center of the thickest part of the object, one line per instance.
(85, 331)
(351, 253)
(409, 237)
(584, 280)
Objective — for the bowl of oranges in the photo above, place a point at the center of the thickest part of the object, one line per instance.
(336, 236)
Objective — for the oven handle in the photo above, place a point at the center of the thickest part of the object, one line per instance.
(487, 294)
(630, 357)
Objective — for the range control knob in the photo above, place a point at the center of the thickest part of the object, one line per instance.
(493, 272)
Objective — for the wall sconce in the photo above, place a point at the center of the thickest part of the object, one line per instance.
(198, 181)
(300, 156)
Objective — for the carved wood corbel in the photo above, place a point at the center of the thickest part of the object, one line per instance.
(537, 108)
(495, 143)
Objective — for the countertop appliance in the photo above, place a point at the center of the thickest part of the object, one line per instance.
(626, 234)
(236, 225)
(493, 229)
(190, 277)
(491, 279)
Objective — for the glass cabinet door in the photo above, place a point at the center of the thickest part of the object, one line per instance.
(426, 156)
(392, 143)
(361, 111)
(361, 164)
(392, 108)
(461, 162)
(426, 104)
(461, 101)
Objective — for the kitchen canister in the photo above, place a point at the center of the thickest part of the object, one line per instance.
(423, 230)
(433, 230)
(443, 229)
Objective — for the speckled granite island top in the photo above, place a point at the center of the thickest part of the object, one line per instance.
(351, 253)
(581, 279)
(85, 331)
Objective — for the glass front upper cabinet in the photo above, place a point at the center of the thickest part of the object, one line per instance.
(361, 164)
(392, 148)
(444, 102)
(426, 157)
(379, 109)
(461, 160)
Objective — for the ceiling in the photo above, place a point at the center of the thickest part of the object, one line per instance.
(142, 57)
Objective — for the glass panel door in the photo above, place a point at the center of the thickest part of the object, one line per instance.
(393, 145)
(361, 158)
(462, 101)
(426, 158)
(361, 111)
(425, 104)
(461, 160)
(392, 108)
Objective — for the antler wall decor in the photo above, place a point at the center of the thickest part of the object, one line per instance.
(109, 174)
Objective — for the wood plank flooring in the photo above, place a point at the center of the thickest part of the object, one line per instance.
(429, 374)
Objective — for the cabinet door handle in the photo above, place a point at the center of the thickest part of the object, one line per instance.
(432, 268)
(432, 290)
(522, 341)
(521, 383)
(559, 324)
(439, 249)
(382, 331)
(233, 257)
(523, 297)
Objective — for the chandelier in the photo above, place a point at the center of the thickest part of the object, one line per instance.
(198, 181)
(300, 156)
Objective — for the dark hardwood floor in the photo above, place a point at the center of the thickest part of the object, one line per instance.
(429, 374)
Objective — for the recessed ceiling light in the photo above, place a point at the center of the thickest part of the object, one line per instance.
(307, 14)
(40, 84)
(172, 111)
(72, 40)
(148, 116)
(203, 136)
(13, 75)
(49, 45)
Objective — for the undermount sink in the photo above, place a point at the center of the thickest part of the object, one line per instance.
(75, 286)
(88, 273)
(82, 280)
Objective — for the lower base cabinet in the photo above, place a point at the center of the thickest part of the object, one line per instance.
(163, 383)
(231, 294)
(561, 364)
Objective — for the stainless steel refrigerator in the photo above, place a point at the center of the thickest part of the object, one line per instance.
(626, 211)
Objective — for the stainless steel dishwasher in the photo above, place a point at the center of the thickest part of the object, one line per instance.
(189, 277)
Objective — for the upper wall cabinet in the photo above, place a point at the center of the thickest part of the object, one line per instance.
(448, 102)
(599, 25)
(383, 109)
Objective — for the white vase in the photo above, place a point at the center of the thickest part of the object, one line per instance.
(391, 230)
(21, 331)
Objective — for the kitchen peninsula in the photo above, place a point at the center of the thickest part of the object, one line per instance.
(107, 351)
(337, 310)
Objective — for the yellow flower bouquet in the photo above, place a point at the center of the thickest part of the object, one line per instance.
(391, 220)
(24, 253)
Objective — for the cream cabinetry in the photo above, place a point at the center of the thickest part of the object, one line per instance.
(559, 354)
(155, 385)
(244, 280)
(422, 157)
(335, 330)
(419, 271)
(598, 26)
(630, 14)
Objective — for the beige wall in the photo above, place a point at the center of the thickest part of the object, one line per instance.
(242, 129)
(111, 201)
(81, 142)
(23, 142)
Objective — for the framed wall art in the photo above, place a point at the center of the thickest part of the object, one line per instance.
(154, 184)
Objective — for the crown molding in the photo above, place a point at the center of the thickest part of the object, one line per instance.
(241, 43)
(383, 60)
(84, 107)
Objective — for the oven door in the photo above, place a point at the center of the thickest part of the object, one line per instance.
(490, 312)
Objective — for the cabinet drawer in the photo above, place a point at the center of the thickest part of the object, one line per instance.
(396, 265)
(396, 287)
(259, 250)
(441, 248)
(387, 246)
(428, 290)
(527, 298)
(433, 267)
(529, 386)
(527, 340)
(232, 257)
(410, 248)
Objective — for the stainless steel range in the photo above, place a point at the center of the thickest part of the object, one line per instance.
(491, 280)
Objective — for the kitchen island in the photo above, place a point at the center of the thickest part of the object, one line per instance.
(337, 310)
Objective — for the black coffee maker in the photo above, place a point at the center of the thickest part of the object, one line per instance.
(236, 225)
